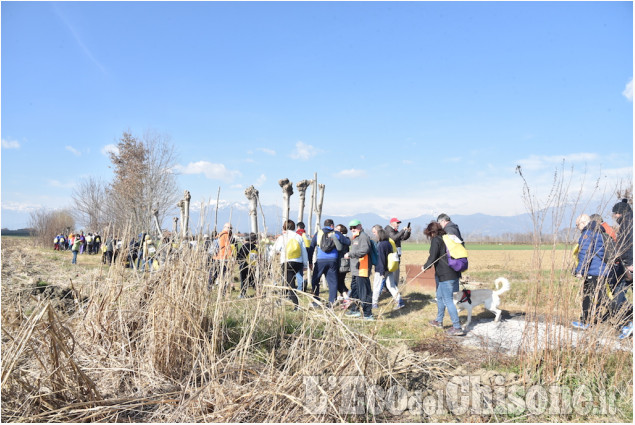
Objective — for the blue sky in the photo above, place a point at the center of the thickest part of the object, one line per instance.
(402, 108)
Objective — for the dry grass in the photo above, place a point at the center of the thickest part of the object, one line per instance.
(114, 345)
(160, 347)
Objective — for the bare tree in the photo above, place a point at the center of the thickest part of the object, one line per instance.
(47, 224)
(89, 198)
(143, 181)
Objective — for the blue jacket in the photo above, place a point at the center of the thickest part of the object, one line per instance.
(591, 252)
(321, 255)
(383, 249)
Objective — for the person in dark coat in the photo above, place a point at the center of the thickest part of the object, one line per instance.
(447, 278)
(623, 216)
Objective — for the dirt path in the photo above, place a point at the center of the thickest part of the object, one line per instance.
(514, 333)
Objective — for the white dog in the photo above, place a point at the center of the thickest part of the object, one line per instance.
(488, 298)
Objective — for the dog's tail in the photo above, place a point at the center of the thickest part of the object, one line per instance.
(504, 285)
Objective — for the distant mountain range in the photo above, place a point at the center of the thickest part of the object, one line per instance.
(470, 225)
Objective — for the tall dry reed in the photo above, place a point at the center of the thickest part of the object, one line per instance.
(163, 346)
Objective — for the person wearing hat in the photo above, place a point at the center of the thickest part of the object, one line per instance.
(392, 229)
(623, 216)
(359, 254)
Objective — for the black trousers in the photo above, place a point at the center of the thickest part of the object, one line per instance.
(361, 295)
(290, 269)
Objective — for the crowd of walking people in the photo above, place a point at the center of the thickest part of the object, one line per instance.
(604, 263)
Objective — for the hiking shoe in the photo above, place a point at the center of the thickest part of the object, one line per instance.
(455, 331)
(315, 305)
(626, 331)
(580, 325)
(400, 305)
(353, 314)
(436, 324)
(375, 305)
(369, 318)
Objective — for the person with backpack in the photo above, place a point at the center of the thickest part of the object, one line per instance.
(293, 257)
(77, 243)
(397, 236)
(300, 230)
(447, 279)
(343, 245)
(96, 243)
(56, 243)
(382, 272)
(594, 271)
(247, 258)
(361, 265)
(327, 260)
(623, 216)
(222, 248)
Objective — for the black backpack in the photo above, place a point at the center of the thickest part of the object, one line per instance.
(326, 242)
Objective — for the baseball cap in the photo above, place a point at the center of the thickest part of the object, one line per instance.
(394, 220)
(354, 223)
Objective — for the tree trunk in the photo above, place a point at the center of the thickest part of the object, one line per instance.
(318, 209)
(155, 214)
(175, 228)
(186, 218)
(252, 195)
(313, 192)
(181, 205)
(302, 186)
(287, 191)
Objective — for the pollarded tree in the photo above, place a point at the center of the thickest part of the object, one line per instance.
(143, 181)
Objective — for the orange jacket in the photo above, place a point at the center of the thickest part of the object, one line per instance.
(609, 230)
(224, 246)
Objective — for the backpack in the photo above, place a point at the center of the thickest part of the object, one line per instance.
(252, 258)
(456, 252)
(374, 254)
(214, 247)
(393, 262)
(307, 241)
(326, 243)
(293, 249)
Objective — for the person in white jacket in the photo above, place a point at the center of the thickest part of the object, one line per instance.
(293, 257)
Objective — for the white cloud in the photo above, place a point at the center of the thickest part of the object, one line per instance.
(351, 174)
(628, 90)
(408, 161)
(59, 184)
(303, 151)
(108, 149)
(267, 151)
(261, 180)
(73, 150)
(537, 162)
(10, 144)
(210, 170)
(19, 206)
